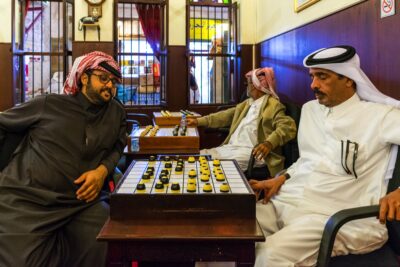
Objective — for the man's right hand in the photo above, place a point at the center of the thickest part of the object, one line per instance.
(191, 121)
(270, 186)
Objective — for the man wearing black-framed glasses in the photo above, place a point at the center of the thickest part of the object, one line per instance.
(346, 142)
(52, 199)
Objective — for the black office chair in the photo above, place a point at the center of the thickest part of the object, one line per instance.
(142, 118)
(387, 256)
(222, 132)
(290, 150)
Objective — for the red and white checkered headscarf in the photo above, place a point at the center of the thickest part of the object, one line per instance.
(266, 84)
(94, 61)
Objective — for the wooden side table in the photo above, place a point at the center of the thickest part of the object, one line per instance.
(91, 25)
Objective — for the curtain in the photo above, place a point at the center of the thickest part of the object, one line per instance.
(26, 7)
(149, 17)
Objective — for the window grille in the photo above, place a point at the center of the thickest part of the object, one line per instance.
(42, 46)
(211, 42)
(141, 51)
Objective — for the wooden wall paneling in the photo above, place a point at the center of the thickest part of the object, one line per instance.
(177, 80)
(6, 85)
(375, 39)
(257, 56)
(245, 64)
(80, 48)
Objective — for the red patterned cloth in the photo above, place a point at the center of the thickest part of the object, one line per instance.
(89, 61)
(265, 83)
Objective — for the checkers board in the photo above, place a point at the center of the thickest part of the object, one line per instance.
(173, 118)
(163, 138)
(151, 194)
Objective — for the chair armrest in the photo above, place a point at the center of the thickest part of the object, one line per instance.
(250, 166)
(140, 117)
(333, 225)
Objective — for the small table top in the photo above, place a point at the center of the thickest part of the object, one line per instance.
(188, 229)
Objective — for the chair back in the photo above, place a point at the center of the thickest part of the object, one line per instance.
(290, 150)
(7, 148)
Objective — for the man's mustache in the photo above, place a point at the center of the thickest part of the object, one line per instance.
(317, 91)
(106, 89)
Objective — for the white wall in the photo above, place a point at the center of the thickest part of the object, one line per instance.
(106, 22)
(5, 21)
(259, 19)
(275, 17)
(177, 22)
(247, 21)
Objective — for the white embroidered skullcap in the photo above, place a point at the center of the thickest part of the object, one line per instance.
(345, 61)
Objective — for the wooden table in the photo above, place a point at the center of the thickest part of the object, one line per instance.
(172, 120)
(181, 240)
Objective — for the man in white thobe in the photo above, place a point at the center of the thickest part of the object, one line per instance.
(346, 159)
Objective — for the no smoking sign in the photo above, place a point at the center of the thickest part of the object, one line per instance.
(387, 8)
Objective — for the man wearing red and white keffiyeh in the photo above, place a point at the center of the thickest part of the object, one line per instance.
(72, 143)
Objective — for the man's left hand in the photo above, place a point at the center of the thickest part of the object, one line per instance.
(390, 207)
(262, 150)
(91, 183)
(270, 186)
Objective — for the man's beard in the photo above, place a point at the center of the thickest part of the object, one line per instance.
(248, 91)
(95, 96)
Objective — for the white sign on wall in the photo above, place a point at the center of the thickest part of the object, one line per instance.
(387, 8)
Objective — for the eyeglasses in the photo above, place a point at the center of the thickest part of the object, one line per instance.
(104, 79)
(345, 154)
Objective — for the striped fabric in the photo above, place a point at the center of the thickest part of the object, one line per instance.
(86, 62)
(265, 83)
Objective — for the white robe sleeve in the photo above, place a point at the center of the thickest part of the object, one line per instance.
(390, 134)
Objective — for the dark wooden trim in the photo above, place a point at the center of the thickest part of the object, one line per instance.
(80, 48)
(177, 80)
(375, 39)
(6, 95)
(245, 64)
(257, 56)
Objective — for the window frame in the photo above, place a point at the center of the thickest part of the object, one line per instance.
(19, 53)
(163, 51)
(233, 68)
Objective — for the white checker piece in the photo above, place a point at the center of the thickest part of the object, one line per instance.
(232, 177)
